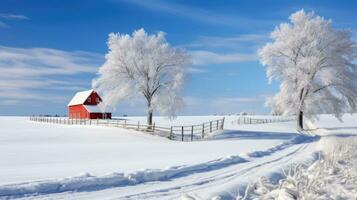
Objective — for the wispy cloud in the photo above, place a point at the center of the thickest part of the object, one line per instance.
(194, 13)
(13, 16)
(195, 70)
(25, 71)
(3, 25)
(208, 57)
(228, 42)
(220, 50)
(7, 16)
(20, 62)
(226, 105)
(237, 100)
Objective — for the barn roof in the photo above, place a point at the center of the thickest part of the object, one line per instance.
(93, 109)
(80, 97)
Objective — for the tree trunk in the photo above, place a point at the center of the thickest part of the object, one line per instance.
(149, 114)
(149, 117)
(300, 121)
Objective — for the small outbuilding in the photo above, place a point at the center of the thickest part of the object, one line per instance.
(85, 105)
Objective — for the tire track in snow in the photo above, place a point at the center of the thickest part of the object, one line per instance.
(173, 189)
(89, 183)
(206, 182)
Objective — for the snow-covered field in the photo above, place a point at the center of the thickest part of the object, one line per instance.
(49, 161)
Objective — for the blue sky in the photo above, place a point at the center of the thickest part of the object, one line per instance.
(51, 49)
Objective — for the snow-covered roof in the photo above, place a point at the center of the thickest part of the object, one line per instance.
(80, 97)
(93, 109)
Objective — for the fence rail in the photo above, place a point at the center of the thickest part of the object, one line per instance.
(182, 133)
(252, 120)
(196, 132)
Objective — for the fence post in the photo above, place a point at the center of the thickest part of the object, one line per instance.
(153, 129)
(217, 125)
(182, 132)
(171, 136)
(222, 123)
(203, 130)
(138, 125)
(191, 133)
(210, 126)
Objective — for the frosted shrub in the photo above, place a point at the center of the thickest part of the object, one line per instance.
(333, 176)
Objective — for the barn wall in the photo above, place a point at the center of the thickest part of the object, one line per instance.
(78, 112)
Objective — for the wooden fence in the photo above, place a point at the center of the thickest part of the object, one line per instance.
(182, 133)
(253, 120)
(196, 132)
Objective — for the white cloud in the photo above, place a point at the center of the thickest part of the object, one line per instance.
(13, 16)
(25, 71)
(208, 57)
(7, 16)
(196, 13)
(237, 100)
(19, 62)
(234, 49)
(195, 70)
(227, 42)
(8, 102)
(225, 105)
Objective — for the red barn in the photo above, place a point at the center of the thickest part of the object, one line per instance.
(84, 105)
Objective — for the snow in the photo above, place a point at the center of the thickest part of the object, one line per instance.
(51, 161)
(333, 176)
(37, 151)
(80, 97)
(93, 108)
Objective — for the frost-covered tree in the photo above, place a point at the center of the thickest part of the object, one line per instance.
(143, 65)
(315, 65)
